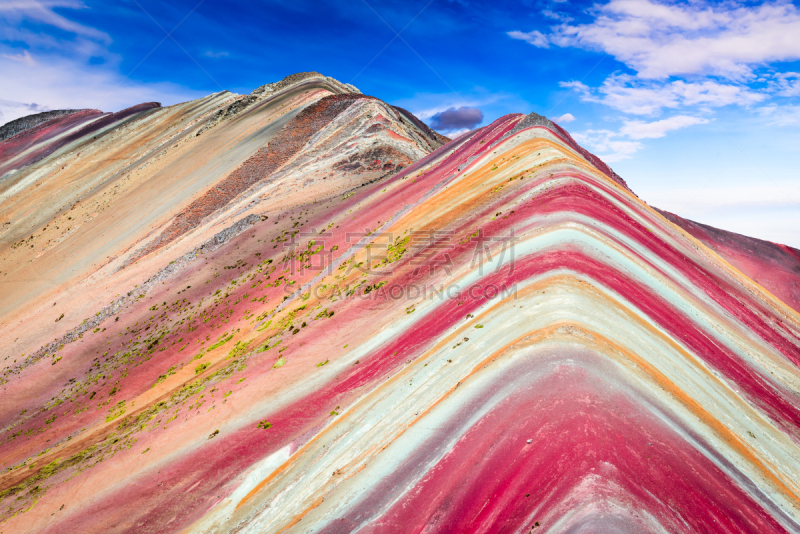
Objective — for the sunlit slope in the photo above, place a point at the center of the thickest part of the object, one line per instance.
(346, 138)
(82, 209)
(500, 337)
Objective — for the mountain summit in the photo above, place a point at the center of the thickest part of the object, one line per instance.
(303, 310)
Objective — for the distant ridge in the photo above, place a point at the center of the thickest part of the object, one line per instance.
(12, 128)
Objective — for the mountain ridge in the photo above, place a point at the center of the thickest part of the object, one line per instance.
(385, 330)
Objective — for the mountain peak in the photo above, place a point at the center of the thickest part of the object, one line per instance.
(299, 77)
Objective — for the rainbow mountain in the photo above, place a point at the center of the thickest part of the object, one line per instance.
(303, 310)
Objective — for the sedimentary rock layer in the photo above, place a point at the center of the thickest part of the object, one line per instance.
(286, 144)
(365, 331)
(774, 266)
(15, 127)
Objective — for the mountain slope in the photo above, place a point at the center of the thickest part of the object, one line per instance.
(15, 127)
(348, 327)
(773, 266)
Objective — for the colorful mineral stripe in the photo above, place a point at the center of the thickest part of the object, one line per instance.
(301, 310)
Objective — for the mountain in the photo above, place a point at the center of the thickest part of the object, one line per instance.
(302, 310)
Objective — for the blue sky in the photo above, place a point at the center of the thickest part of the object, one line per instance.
(696, 104)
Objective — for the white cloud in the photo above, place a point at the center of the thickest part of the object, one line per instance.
(692, 57)
(787, 115)
(786, 84)
(215, 55)
(645, 97)
(16, 11)
(24, 57)
(549, 13)
(535, 37)
(52, 70)
(566, 117)
(607, 144)
(659, 40)
(57, 84)
(645, 35)
(614, 146)
(653, 130)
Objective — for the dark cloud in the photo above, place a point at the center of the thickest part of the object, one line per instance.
(455, 119)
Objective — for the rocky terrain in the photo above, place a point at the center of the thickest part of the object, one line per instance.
(12, 128)
(303, 310)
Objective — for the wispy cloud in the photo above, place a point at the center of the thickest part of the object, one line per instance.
(56, 84)
(215, 55)
(42, 11)
(47, 69)
(23, 57)
(646, 97)
(555, 15)
(786, 84)
(662, 39)
(787, 115)
(535, 37)
(609, 147)
(684, 58)
(653, 130)
(623, 143)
